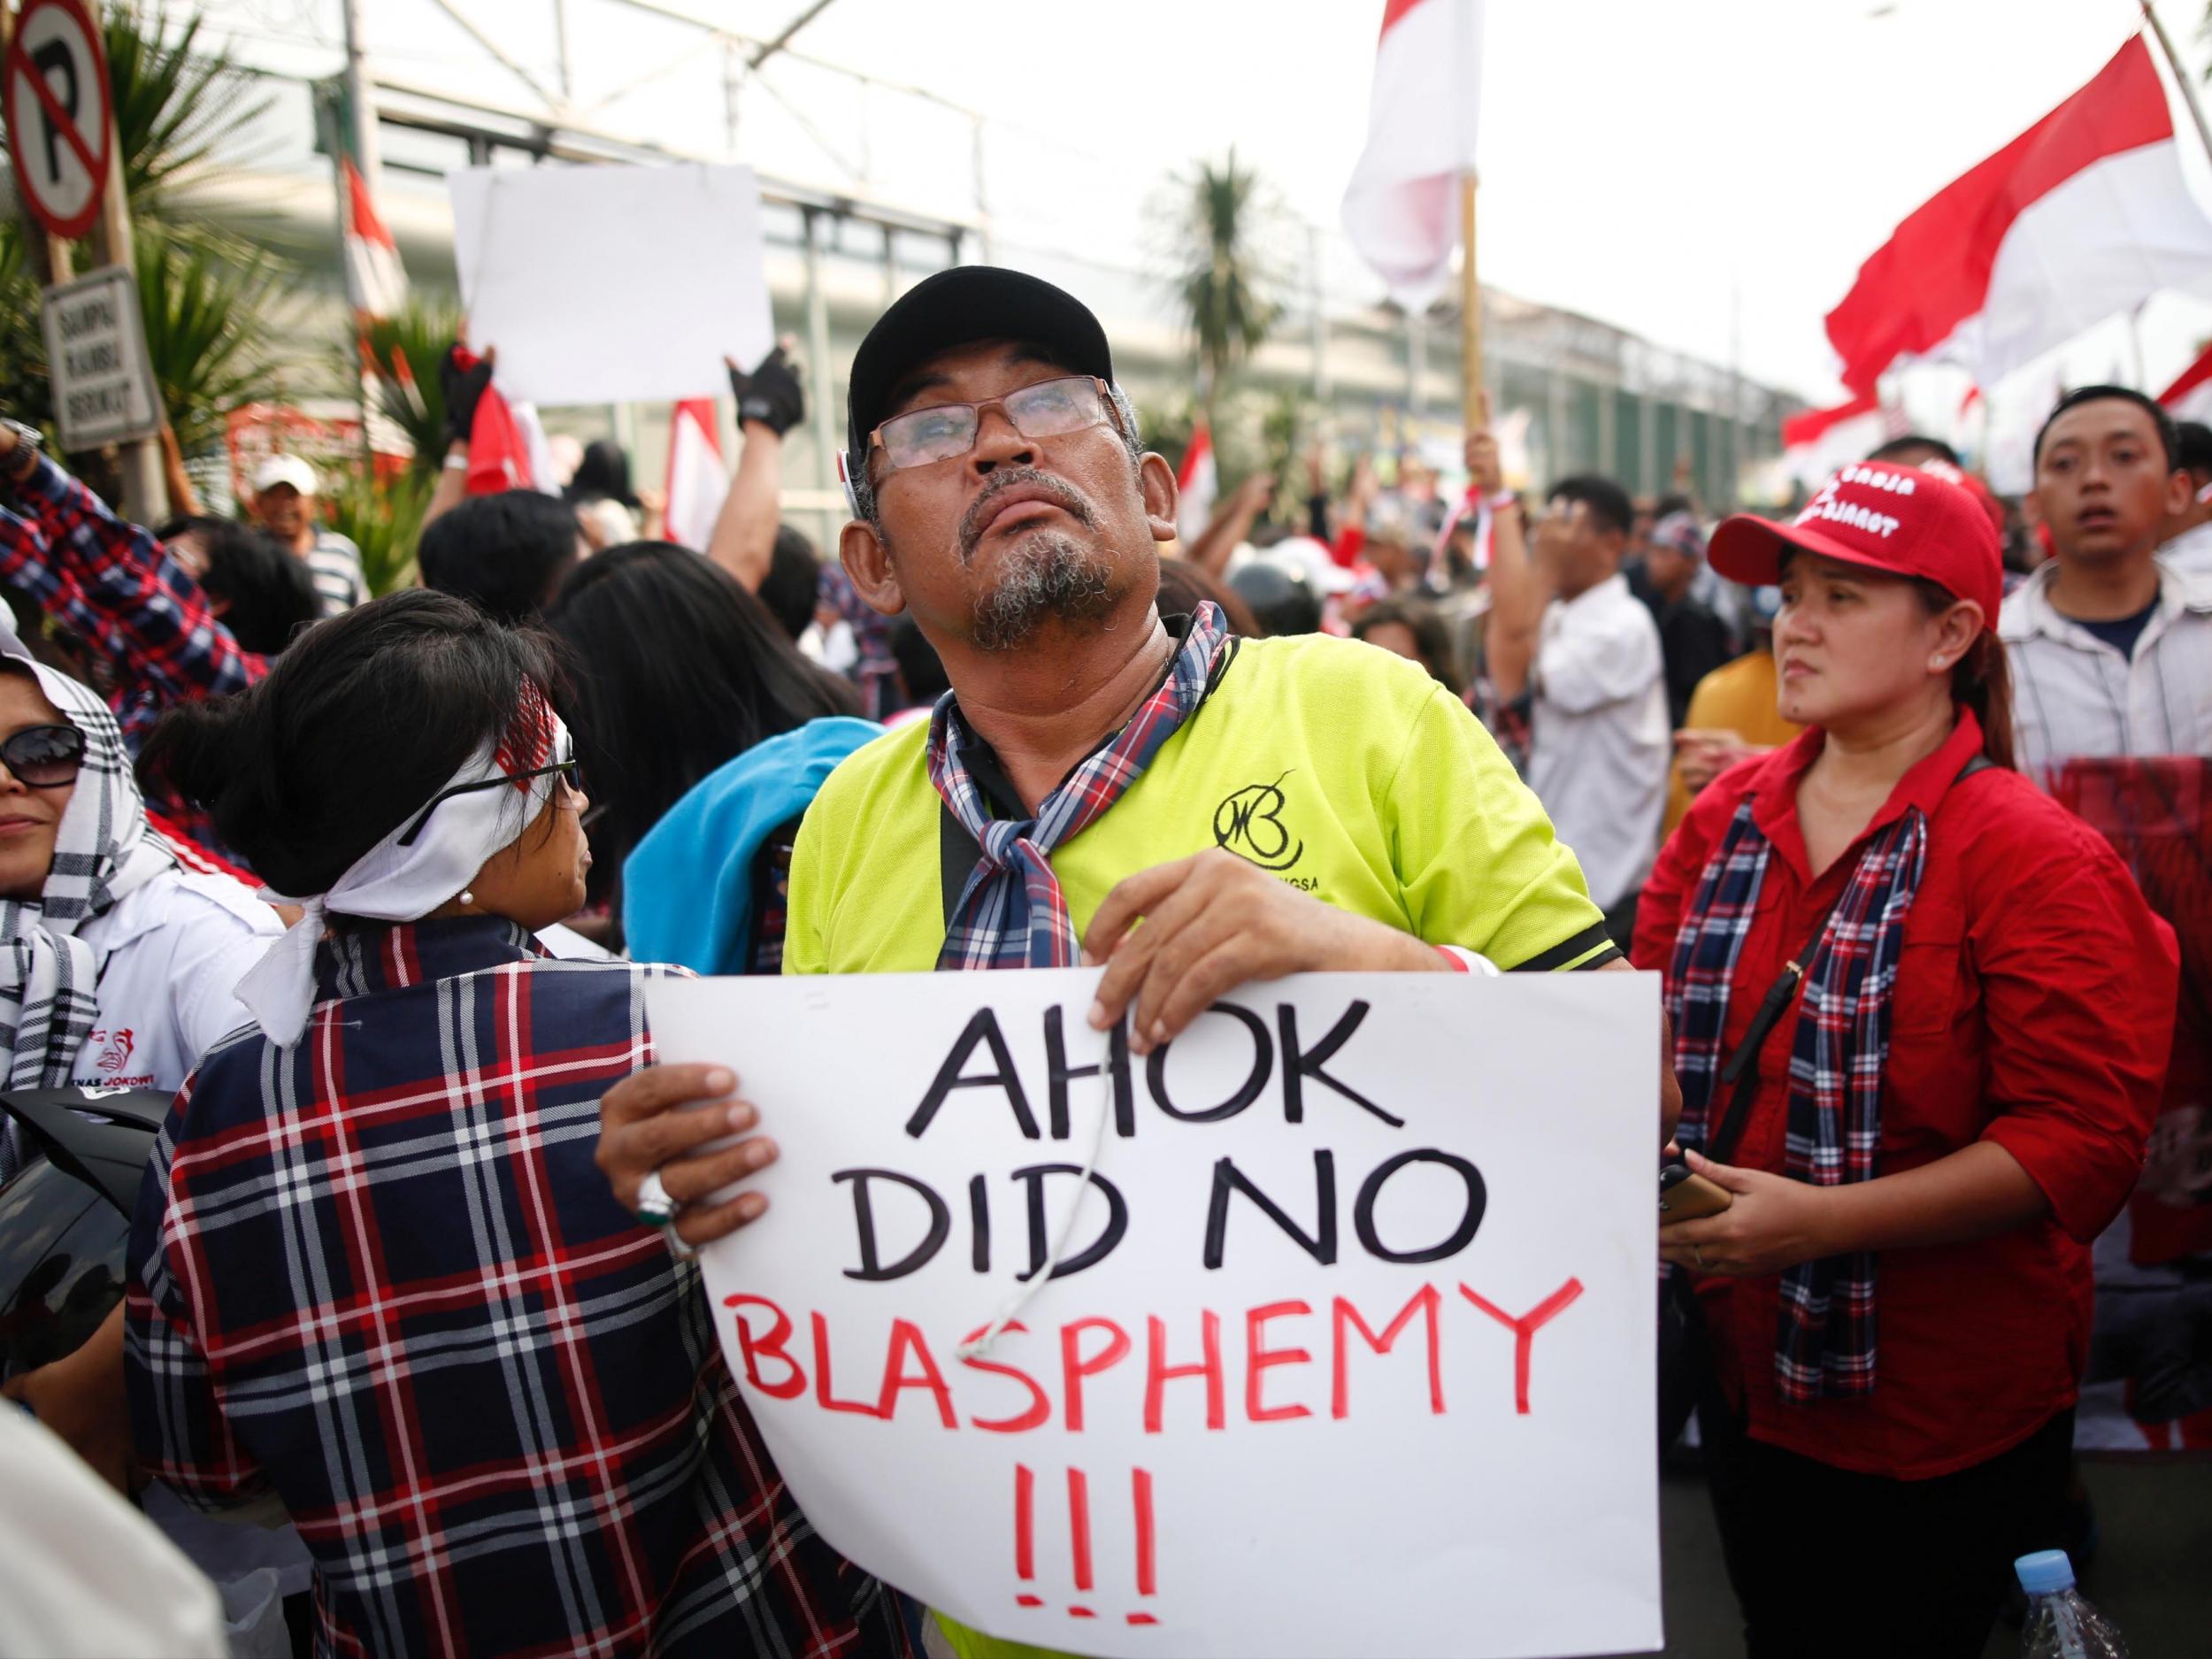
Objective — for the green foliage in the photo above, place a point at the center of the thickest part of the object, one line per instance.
(1223, 283)
(405, 350)
(179, 104)
(203, 335)
(383, 518)
(24, 392)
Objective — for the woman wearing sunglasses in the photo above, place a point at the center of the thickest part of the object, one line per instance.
(374, 1269)
(116, 971)
(116, 967)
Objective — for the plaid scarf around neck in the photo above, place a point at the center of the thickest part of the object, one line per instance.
(1013, 913)
(1824, 1343)
(103, 849)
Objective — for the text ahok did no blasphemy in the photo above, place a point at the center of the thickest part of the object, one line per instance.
(910, 1375)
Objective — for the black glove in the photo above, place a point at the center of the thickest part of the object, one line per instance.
(770, 394)
(463, 389)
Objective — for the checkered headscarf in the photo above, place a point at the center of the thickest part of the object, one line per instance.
(1013, 913)
(1824, 1345)
(49, 977)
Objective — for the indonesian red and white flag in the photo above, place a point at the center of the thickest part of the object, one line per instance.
(1196, 485)
(696, 482)
(1819, 441)
(2083, 216)
(1401, 208)
(2190, 397)
(376, 283)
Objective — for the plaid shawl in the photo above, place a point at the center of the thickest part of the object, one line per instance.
(1824, 1345)
(49, 977)
(1013, 913)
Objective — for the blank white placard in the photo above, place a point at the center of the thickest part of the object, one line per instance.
(612, 284)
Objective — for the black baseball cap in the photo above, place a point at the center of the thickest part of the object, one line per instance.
(953, 308)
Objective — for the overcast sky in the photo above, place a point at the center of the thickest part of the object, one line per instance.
(1653, 164)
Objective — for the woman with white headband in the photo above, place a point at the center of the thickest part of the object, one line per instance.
(375, 1270)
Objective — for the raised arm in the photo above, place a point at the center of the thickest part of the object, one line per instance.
(770, 401)
(1517, 593)
(110, 581)
(462, 378)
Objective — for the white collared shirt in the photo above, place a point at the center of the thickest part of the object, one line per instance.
(2191, 551)
(2073, 695)
(1599, 742)
(171, 954)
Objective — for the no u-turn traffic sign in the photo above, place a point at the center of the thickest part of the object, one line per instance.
(54, 91)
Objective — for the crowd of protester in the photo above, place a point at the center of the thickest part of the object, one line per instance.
(316, 866)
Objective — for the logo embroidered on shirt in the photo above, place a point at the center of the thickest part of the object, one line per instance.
(1249, 824)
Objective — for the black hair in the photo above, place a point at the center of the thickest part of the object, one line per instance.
(507, 551)
(1905, 444)
(1429, 636)
(355, 729)
(1280, 602)
(678, 670)
(1667, 504)
(921, 670)
(269, 594)
(268, 591)
(602, 474)
(2193, 447)
(2143, 400)
(795, 574)
(1607, 501)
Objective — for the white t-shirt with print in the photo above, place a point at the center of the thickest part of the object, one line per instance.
(171, 954)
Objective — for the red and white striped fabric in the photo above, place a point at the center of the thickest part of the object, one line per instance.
(1196, 485)
(1401, 208)
(2190, 397)
(1817, 441)
(376, 283)
(696, 482)
(2083, 216)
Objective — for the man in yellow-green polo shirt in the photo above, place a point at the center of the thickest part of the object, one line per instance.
(1105, 784)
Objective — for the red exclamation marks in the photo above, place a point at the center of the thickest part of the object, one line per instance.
(1026, 1531)
(1148, 1568)
(1079, 1527)
(1141, 1501)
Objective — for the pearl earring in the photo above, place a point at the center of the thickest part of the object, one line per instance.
(467, 897)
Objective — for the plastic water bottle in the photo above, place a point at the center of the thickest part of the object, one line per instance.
(2060, 1624)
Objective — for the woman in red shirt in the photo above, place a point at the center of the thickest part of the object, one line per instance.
(1938, 1124)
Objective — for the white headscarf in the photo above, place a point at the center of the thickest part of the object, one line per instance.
(103, 849)
(395, 883)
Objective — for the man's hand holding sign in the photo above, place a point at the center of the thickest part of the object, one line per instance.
(1207, 1279)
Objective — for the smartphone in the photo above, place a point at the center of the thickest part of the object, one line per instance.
(1685, 1196)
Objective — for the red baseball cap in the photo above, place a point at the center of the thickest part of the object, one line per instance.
(1899, 519)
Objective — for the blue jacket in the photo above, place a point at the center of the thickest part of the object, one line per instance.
(688, 886)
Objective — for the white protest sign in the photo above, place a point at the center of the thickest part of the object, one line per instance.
(95, 356)
(1350, 1349)
(612, 284)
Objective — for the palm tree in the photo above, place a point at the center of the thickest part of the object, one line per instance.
(404, 350)
(1225, 284)
(205, 292)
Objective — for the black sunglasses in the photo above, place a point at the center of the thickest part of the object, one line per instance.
(43, 757)
(567, 771)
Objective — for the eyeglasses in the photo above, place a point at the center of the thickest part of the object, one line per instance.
(43, 757)
(567, 771)
(943, 431)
